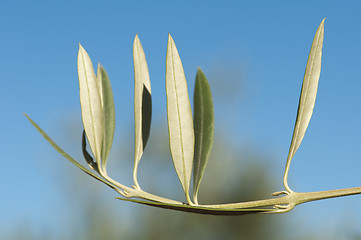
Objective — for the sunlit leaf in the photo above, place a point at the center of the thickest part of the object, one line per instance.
(142, 103)
(308, 95)
(106, 96)
(180, 122)
(90, 101)
(62, 152)
(203, 129)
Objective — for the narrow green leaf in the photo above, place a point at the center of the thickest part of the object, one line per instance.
(308, 96)
(62, 152)
(90, 101)
(106, 96)
(180, 122)
(142, 103)
(200, 209)
(203, 129)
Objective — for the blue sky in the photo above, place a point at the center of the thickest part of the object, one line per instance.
(266, 44)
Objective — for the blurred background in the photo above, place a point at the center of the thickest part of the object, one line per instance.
(254, 55)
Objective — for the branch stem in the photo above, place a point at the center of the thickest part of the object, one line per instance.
(292, 199)
(314, 196)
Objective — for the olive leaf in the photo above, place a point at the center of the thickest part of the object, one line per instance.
(91, 105)
(180, 122)
(142, 103)
(203, 129)
(308, 96)
(67, 156)
(108, 113)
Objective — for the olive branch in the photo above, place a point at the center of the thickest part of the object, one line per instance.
(190, 137)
